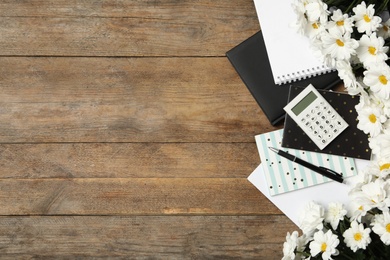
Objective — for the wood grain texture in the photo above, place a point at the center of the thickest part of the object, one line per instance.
(143, 237)
(129, 28)
(125, 100)
(127, 160)
(125, 133)
(132, 196)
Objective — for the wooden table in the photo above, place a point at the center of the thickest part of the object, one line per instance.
(126, 133)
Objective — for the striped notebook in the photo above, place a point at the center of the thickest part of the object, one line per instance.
(283, 175)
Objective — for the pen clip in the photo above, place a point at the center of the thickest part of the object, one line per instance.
(331, 171)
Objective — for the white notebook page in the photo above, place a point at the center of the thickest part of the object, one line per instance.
(290, 55)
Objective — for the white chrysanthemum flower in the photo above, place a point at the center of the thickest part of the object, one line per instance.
(356, 211)
(377, 169)
(311, 218)
(357, 237)
(324, 244)
(339, 46)
(301, 21)
(386, 108)
(381, 226)
(365, 20)
(386, 126)
(383, 164)
(385, 145)
(384, 30)
(318, 52)
(380, 145)
(365, 99)
(371, 50)
(313, 29)
(316, 10)
(340, 22)
(374, 195)
(290, 245)
(378, 78)
(370, 119)
(335, 213)
(346, 73)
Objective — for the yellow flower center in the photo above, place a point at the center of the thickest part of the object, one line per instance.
(372, 50)
(340, 43)
(360, 208)
(385, 28)
(340, 23)
(357, 237)
(323, 247)
(388, 228)
(315, 25)
(372, 118)
(385, 166)
(366, 18)
(383, 79)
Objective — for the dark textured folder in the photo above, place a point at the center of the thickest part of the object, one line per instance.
(250, 60)
(352, 142)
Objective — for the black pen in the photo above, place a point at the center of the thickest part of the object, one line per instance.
(319, 169)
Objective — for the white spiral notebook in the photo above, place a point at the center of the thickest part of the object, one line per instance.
(289, 53)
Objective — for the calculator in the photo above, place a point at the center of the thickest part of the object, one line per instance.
(317, 118)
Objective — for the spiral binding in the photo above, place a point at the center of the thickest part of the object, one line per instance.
(303, 74)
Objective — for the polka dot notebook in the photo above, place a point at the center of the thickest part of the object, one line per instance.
(283, 175)
(352, 142)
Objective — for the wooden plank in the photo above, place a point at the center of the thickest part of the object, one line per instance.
(175, 237)
(125, 100)
(124, 28)
(128, 160)
(127, 8)
(135, 196)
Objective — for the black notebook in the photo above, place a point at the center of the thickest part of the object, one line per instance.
(352, 142)
(251, 62)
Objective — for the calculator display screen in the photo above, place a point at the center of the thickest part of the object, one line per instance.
(304, 103)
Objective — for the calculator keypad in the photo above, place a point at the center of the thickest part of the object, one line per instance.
(321, 122)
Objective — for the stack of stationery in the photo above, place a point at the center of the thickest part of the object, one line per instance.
(252, 64)
(277, 57)
(275, 64)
